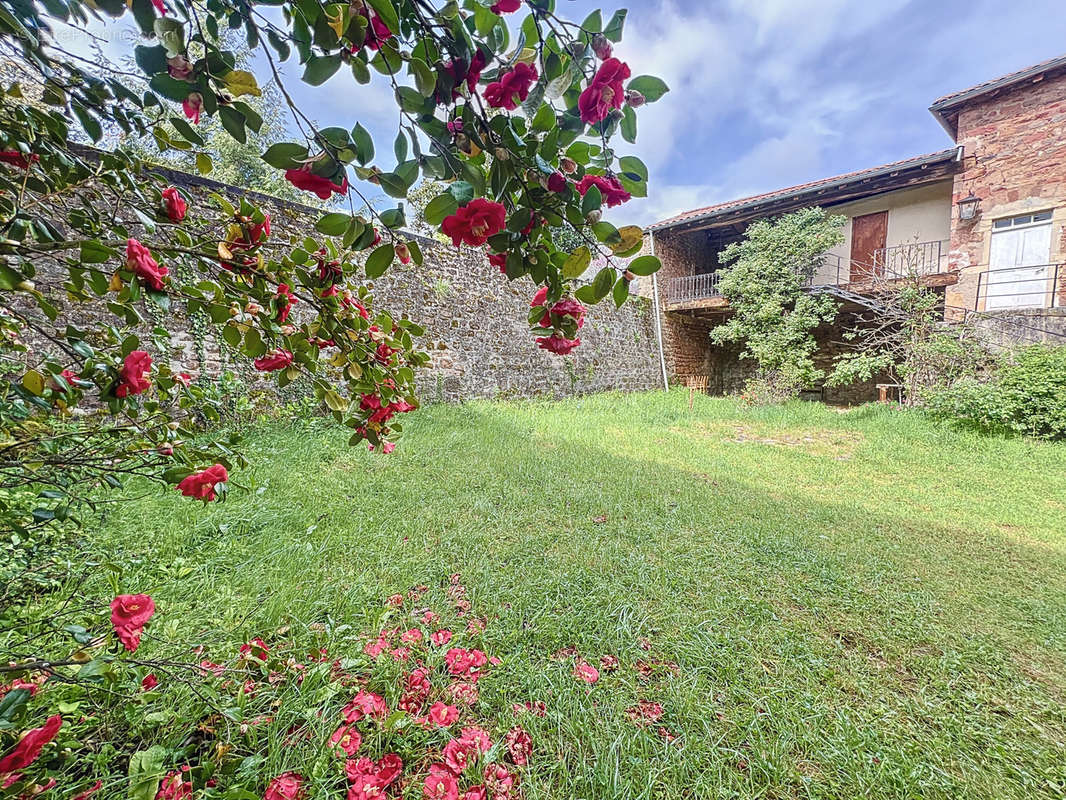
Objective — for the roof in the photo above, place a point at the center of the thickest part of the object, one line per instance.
(735, 208)
(946, 108)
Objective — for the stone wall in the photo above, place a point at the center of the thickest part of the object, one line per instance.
(475, 321)
(1015, 146)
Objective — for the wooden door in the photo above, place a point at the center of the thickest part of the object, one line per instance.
(868, 235)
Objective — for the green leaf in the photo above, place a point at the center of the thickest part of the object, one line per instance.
(620, 293)
(441, 206)
(634, 167)
(233, 122)
(577, 262)
(425, 79)
(629, 124)
(11, 703)
(644, 265)
(462, 191)
(393, 184)
(613, 31)
(648, 85)
(151, 59)
(364, 144)
(399, 148)
(387, 11)
(379, 261)
(320, 69)
(96, 253)
(603, 282)
(203, 163)
(89, 123)
(592, 200)
(393, 217)
(333, 224)
(145, 771)
(285, 155)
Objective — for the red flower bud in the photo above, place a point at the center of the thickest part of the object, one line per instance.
(601, 47)
(635, 98)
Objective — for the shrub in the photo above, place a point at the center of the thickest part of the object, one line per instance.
(1025, 393)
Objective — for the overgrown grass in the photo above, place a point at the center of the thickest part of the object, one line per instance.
(858, 604)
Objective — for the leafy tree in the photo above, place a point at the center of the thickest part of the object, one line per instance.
(103, 232)
(773, 316)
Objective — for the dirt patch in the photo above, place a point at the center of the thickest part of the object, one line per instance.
(840, 445)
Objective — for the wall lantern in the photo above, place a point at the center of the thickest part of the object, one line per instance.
(968, 206)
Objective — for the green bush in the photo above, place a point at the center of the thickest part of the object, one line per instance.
(1025, 393)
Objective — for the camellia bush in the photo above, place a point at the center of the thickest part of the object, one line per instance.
(514, 111)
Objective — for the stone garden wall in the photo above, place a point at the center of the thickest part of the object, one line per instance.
(475, 322)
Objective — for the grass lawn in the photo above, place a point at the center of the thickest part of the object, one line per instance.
(826, 604)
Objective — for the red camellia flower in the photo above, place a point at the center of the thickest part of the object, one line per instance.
(440, 784)
(192, 106)
(475, 222)
(499, 260)
(364, 704)
(173, 787)
(586, 672)
(139, 261)
(506, 6)
(457, 756)
(413, 635)
(174, 205)
(476, 738)
(440, 638)
(518, 745)
(605, 93)
(201, 485)
(442, 714)
(179, 68)
(306, 180)
(149, 682)
(568, 307)
(614, 194)
(512, 88)
(286, 786)
(86, 794)
(498, 780)
(557, 182)
(540, 299)
(557, 344)
(129, 613)
(369, 780)
(470, 76)
(346, 738)
(133, 377)
(377, 31)
(30, 745)
(284, 299)
(17, 159)
(256, 648)
(273, 361)
(476, 793)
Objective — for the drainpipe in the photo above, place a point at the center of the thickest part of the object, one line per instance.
(658, 319)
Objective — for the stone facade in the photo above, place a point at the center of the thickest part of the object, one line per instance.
(1015, 162)
(475, 321)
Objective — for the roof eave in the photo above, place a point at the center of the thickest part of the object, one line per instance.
(951, 155)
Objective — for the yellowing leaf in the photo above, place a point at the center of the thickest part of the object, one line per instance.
(632, 236)
(33, 381)
(240, 82)
(337, 16)
(224, 252)
(115, 284)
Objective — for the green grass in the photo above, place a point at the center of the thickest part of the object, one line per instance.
(859, 604)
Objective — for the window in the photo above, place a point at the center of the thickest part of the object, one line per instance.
(1027, 219)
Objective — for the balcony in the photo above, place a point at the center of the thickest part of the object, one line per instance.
(927, 259)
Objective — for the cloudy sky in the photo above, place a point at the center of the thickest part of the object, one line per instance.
(770, 93)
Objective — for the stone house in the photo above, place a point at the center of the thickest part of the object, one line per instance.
(983, 222)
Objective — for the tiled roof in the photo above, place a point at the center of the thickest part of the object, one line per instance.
(997, 83)
(803, 188)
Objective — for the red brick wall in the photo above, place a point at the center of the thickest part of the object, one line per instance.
(686, 345)
(1015, 148)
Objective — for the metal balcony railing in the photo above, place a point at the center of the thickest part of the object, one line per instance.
(1005, 288)
(915, 258)
(693, 287)
(922, 258)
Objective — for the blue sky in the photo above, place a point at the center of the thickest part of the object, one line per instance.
(770, 93)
